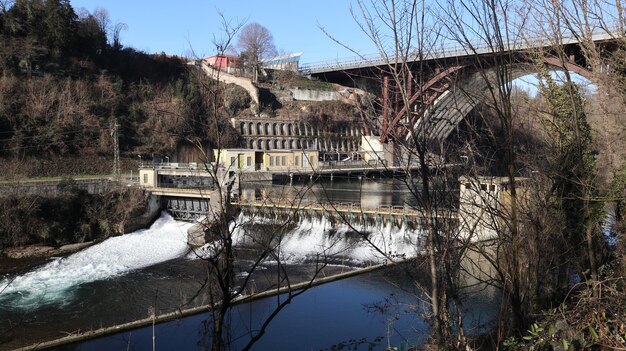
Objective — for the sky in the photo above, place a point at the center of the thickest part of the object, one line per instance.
(187, 27)
(176, 27)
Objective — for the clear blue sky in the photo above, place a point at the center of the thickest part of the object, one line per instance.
(172, 26)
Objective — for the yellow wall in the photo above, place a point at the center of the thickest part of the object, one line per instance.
(147, 177)
(289, 160)
(235, 159)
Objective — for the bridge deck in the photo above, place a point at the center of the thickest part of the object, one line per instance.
(452, 51)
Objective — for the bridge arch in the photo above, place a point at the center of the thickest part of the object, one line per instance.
(445, 104)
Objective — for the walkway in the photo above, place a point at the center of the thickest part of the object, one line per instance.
(341, 208)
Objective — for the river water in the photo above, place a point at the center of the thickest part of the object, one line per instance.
(125, 278)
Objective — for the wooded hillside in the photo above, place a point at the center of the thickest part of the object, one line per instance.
(65, 78)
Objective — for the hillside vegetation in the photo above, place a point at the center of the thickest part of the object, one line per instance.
(65, 79)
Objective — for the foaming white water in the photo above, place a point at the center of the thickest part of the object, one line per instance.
(318, 238)
(53, 283)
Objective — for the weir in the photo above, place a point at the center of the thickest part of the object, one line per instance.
(344, 212)
(308, 237)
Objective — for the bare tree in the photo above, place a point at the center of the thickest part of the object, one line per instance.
(403, 35)
(254, 44)
(103, 19)
(226, 231)
(5, 5)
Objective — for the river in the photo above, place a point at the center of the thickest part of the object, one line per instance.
(123, 278)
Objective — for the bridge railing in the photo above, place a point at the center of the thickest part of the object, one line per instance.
(448, 50)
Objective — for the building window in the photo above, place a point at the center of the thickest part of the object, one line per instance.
(492, 188)
(232, 162)
(271, 160)
(145, 178)
(249, 161)
(297, 160)
(284, 160)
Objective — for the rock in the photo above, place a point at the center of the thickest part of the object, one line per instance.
(196, 235)
(67, 249)
(28, 251)
(43, 251)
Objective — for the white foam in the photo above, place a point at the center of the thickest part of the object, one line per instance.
(166, 239)
(312, 240)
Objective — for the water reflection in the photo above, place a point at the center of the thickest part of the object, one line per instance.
(368, 193)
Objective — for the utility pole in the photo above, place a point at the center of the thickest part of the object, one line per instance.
(116, 143)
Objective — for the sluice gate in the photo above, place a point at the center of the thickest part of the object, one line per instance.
(186, 208)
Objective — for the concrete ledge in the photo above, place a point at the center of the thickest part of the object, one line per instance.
(255, 176)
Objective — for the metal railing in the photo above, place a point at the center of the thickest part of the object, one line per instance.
(351, 164)
(344, 207)
(175, 165)
(445, 51)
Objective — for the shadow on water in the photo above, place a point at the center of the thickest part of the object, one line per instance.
(370, 311)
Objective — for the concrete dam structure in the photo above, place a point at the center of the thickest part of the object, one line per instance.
(271, 134)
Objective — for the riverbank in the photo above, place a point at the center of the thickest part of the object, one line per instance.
(41, 226)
